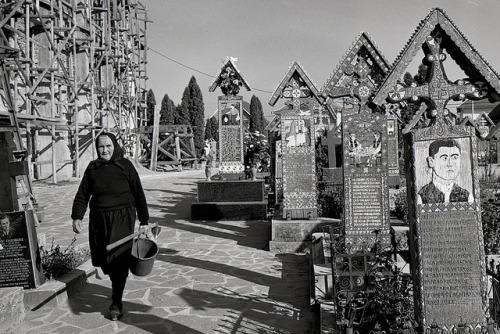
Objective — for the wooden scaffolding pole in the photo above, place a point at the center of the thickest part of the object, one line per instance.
(154, 143)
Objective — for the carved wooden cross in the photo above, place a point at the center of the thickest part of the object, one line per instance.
(360, 86)
(9, 169)
(296, 93)
(439, 90)
(331, 141)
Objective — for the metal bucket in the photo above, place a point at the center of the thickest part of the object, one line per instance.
(144, 252)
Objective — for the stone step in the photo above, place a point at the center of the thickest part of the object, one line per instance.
(231, 191)
(229, 211)
(55, 292)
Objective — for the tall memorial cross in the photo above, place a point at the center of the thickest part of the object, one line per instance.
(366, 192)
(444, 209)
(230, 107)
(365, 154)
(297, 143)
(9, 169)
(446, 230)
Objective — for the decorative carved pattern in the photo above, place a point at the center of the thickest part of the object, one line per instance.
(467, 57)
(296, 78)
(362, 46)
(438, 90)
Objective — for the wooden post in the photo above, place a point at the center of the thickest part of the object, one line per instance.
(178, 156)
(54, 162)
(193, 150)
(154, 142)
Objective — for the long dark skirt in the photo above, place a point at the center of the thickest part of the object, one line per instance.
(106, 227)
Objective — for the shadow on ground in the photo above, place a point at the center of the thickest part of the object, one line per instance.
(286, 307)
(95, 297)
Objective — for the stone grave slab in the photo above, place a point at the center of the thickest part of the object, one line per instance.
(230, 200)
(20, 261)
(231, 191)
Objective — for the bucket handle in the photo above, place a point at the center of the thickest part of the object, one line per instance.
(129, 237)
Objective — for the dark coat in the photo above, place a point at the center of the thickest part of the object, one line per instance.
(431, 194)
(115, 192)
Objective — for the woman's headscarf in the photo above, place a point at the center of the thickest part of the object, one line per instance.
(117, 151)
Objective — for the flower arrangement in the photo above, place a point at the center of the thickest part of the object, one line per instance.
(57, 262)
(256, 149)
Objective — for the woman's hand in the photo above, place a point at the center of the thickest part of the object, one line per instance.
(77, 225)
(144, 229)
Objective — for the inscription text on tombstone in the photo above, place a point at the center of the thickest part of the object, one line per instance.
(366, 195)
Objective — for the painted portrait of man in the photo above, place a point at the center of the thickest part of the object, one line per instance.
(444, 160)
(231, 115)
(6, 230)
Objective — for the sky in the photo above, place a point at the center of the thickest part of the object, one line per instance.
(195, 37)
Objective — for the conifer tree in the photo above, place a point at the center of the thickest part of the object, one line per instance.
(180, 115)
(212, 129)
(167, 110)
(192, 102)
(411, 107)
(257, 122)
(150, 107)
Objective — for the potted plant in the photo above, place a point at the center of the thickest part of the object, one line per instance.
(256, 150)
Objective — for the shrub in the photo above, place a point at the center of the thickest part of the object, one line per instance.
(57, 262)
(390, 305)
(330, 200)
(490, 214)
(401, 204)
(256, 150)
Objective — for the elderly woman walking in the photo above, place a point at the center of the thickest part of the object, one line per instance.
(114, 190)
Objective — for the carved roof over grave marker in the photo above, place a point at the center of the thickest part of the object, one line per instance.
(362, 42)
(454, 42)
(358, 74)
(297, 87)
(229, 79)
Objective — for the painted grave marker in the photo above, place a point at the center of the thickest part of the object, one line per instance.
(297, 144)
(366, 193)
(364, 136)
(446, 238)
(230, 106)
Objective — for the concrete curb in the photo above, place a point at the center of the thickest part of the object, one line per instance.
(55, 292)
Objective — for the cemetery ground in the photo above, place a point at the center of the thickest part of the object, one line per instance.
(209, 276)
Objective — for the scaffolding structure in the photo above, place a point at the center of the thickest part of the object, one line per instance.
(72, 69)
